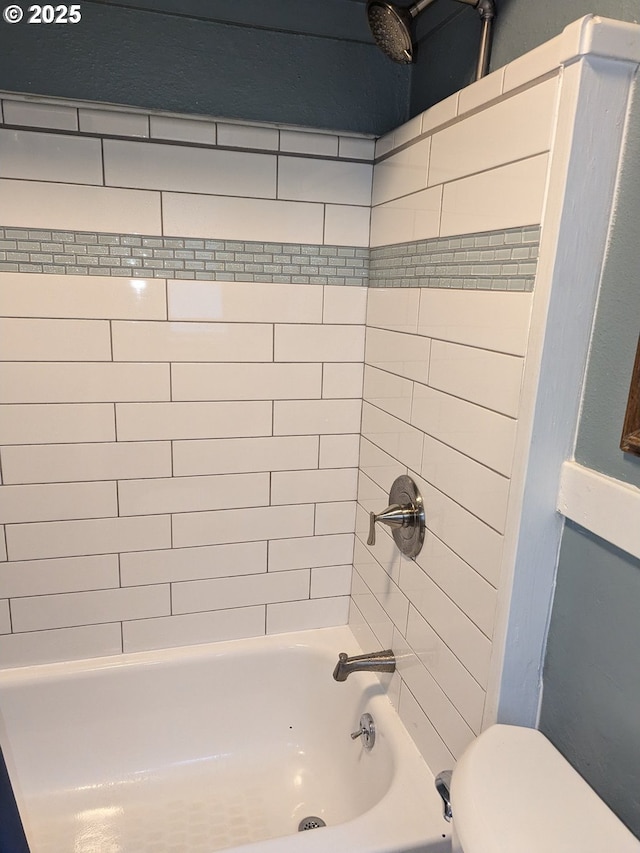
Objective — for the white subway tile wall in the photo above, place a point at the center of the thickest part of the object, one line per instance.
(149, 455)
(496, 181)
(40, 115)
(424, 414)
(183, 130)
(444, 360)
(179, 456)
(240, 136)
(529, 117)
(50, 157)
(169, 175)
(43, 204)
(183, 413)
(113, 122)
(188, 169)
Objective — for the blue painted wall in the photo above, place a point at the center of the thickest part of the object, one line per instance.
(591, 704)
(591, 695)
(305, 63)
(448, 36)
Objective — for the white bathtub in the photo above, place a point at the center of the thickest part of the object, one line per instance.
(213, 747)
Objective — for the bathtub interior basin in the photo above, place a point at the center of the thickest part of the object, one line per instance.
(213, 747)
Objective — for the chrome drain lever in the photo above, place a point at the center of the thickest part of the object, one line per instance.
(367, 731)
(443, 787)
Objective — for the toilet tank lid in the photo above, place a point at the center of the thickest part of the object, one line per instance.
(513, 791)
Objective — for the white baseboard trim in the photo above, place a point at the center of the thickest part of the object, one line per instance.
(607, 507)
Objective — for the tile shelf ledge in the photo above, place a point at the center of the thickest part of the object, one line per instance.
(91, 118)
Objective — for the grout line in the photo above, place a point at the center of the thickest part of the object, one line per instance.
(111, 340)
(104, 180)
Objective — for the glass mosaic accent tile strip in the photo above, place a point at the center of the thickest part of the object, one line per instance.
(134, 256)
(493, 260)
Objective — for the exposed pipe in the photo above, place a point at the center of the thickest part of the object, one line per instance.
(417, 7)
(487, 10)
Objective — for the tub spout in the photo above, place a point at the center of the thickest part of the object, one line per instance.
(375, 662)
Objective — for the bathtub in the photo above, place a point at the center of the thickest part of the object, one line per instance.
(222, 746)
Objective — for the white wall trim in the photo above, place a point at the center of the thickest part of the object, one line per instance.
(591, 120)
(603, 37)
(603, 505)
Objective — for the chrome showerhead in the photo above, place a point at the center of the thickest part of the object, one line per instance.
(390, 26)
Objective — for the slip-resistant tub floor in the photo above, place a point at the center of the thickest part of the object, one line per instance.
(193, 810)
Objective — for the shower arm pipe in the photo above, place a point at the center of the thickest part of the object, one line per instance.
(487, 11)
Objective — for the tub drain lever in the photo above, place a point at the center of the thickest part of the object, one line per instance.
(367, 731)
(443, 787)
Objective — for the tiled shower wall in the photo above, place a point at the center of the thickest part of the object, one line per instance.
(183, 336)
(457, 204)
(184, 332)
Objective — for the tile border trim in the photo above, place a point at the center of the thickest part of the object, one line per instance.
(114, 121)
(492, 260)
(24, 250)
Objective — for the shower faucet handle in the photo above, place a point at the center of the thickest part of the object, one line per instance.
(371, 539)
(394, 516)
(404, 515)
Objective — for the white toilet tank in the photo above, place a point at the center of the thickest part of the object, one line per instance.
(512, 792)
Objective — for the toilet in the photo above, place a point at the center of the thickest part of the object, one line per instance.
(513, 792)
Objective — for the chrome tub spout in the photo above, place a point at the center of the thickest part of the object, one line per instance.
(374, 662)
